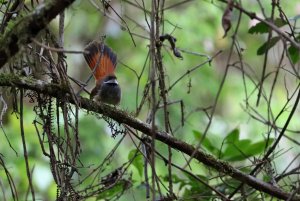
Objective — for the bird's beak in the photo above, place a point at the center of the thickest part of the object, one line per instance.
(112, 81)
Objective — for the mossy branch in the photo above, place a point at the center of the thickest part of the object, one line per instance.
(28, 27)
(123, 117)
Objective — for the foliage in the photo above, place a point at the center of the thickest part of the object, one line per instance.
(222, 97)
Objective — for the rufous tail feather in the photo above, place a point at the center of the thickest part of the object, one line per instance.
(101, 57)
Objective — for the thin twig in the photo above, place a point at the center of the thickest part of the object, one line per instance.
(57, 49)
(29, 177)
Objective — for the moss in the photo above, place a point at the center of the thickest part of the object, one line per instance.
(5, 79)
(23, 29)
(31, 83)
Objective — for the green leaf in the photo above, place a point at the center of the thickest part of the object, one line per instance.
(235, 151)
(194, 182)
(261, 27)
(280, 22)
(196, 187)
(267, 178)
(207, 144)
(233, 136)
(176, 180)
(267, 45)
(120, 187)
(258, 147)
(240, 150)
(137, 162)
(228, 185)
(294, 54)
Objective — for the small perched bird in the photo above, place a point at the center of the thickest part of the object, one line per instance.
(102, 61)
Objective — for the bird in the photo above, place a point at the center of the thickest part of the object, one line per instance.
(103, 61)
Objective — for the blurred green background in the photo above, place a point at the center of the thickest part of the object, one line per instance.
(197, 28)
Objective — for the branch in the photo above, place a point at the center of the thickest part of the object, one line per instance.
(28, 27)
(253, 15)
(61, 92)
